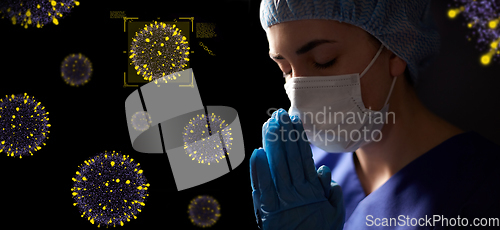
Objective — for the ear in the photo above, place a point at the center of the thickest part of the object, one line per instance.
(396, 64)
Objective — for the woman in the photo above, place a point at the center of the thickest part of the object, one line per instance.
(411, 169)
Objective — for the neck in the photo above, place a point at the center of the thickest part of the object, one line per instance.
(415, 131)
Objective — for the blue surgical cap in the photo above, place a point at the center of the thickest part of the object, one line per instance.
(405, 27)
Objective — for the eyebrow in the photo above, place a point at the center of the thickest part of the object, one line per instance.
(305, 48)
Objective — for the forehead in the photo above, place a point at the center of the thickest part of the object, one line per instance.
(292, 34)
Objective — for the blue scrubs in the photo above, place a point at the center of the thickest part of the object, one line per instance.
(445, 188)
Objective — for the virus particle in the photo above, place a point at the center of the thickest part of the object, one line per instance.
(206, 138)
(109, 189)
(24, 125)
(159, 50)
(76, 69)
(141, 121)
(483, 18)
(204, 211)
(36, 12)
(217, 125)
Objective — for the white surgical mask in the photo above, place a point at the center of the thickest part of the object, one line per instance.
(332, 112)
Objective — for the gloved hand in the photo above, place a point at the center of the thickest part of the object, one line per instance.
(288, 193)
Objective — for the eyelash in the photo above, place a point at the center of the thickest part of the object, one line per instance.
(318, 66)
(324, 66)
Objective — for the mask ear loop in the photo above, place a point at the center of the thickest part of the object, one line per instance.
(373, 60)
(390, 91)
(370, 65)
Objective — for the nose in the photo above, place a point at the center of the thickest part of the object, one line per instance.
(299, 70)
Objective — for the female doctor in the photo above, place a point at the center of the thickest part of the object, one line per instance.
(357, 149)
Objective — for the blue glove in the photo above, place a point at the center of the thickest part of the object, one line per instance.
(288, 193)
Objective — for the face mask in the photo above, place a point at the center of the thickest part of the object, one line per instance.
(332, 112)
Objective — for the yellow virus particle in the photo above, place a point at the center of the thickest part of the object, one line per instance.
(207, 139)
(483, 19)
(204, 211)
(36, 13)
(108, 190)
(76, 69)
(141, 121)
(24, 125)
(159, 50)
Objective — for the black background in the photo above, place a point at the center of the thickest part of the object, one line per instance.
(86, 120)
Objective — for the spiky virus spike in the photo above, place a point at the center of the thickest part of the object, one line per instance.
(24, 125)
(158, 50)
(204, 211)
(207, 139)
(36, 13)
(109, 189)
(76, 69)
(483, 18)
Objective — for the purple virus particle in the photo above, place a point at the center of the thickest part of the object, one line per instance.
(141, 121)
(76, 69)
(204, 211)
(109, 189)
(24, 125)
(36, 13)
(159, 50)
(207, 138)
(483, 18)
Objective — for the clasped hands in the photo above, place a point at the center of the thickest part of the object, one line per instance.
(288, 192)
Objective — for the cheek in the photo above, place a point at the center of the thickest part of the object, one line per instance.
(374, 88)
(368, 95)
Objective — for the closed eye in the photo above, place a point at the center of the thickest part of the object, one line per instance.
(325, 65)
(317, 65)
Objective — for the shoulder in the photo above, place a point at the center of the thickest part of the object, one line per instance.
(483, 203)
(479, 142)
(482, 155)
(481, 174)
(472, 149)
